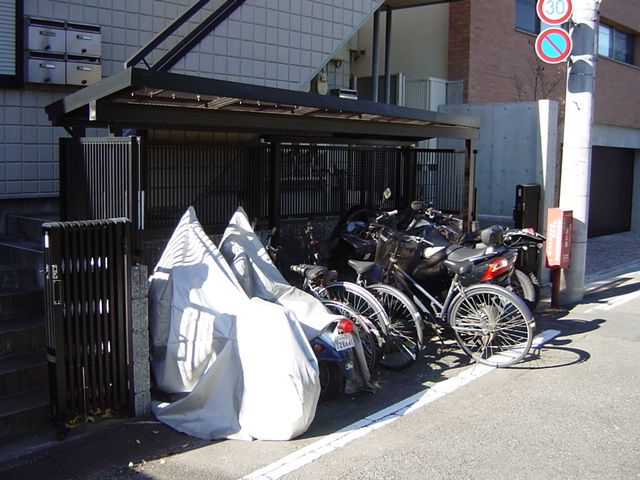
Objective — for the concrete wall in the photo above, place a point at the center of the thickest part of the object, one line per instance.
(517, 145)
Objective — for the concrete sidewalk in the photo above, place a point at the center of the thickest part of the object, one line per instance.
(107, 448)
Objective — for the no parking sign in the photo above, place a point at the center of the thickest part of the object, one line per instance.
(553, 45)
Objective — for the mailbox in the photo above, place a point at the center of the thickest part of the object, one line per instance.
(84, 40)
(559, 228)
(62, 53)
(83, 71)
(46, 36)
(46, 69)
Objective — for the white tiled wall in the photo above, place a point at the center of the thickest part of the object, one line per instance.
(279, 43)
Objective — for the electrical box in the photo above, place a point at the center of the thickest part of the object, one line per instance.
(559, 230)
(526, 213)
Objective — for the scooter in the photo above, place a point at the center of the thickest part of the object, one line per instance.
(332, 349)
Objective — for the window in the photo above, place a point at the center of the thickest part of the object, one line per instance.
(614, 44)
(10, 43)
(526, 17)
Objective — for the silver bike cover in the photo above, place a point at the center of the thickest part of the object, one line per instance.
(260, 278)
(235, 367)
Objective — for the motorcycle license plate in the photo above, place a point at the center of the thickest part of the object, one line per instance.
(343, 341)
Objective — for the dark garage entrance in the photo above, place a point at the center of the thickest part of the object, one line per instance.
(611, 191)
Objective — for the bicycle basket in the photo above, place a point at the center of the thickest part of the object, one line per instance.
(408, 252)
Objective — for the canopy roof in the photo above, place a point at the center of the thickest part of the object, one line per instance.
(146, 99)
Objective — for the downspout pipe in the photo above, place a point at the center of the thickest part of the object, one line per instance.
(374, 55)
(387, 58)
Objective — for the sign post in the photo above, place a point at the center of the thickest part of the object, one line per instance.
(576, 148)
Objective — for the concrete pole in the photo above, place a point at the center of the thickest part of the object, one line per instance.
(576, 153)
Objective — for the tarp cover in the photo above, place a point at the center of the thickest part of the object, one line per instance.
(260, 278)
(243, 365)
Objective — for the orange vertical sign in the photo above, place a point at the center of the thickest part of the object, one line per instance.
(559, 227)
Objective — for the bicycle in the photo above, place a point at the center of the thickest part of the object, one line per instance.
(395, 349)
(491, 324)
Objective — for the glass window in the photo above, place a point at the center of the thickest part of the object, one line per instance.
(10, 42)
(526, 17)
(615, 44)
(604, 40)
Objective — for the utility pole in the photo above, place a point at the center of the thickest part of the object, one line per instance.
(576, 152)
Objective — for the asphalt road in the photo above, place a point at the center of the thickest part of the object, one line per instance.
(571, 411)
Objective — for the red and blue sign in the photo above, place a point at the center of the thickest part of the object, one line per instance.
(553, 45)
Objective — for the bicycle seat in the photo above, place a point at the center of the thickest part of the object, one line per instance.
(361, 267)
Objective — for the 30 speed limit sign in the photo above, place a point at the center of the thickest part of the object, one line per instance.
(554, 12)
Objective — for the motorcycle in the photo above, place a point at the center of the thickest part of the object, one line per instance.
(333, 347)
(356, 237)
(332, 350)
(523, 281)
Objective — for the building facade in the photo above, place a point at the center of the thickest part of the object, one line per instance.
(490, 57)
(283, 44)
(462, 52)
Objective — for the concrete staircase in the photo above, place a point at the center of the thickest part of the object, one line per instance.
(24, 378)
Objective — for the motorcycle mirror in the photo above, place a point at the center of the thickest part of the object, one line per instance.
(386, 195)
(417, 205)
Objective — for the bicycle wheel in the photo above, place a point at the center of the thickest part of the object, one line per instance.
(361, 300)
(370, 338)
(492, 325)
(404, 339)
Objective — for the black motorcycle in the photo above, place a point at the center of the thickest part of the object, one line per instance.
(523, 281)
(355, 237)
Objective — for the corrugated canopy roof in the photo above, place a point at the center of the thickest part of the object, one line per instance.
(145, 99)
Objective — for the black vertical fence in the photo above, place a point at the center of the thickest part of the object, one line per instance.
(153, 183)
(88, 297)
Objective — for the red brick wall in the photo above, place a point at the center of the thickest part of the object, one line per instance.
(617, 96)
(499, 64)
(459, 46)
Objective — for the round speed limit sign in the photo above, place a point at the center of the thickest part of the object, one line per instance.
(554, 12)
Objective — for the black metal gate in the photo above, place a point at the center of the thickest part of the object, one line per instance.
(88, 298)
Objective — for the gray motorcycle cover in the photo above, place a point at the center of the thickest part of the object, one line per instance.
(238, 367)
(260, 278)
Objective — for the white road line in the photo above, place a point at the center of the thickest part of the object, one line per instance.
(377, 420)
(615, 302)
